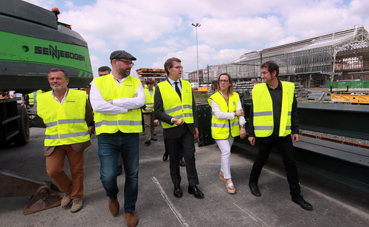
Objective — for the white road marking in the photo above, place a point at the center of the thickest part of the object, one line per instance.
(170, 204)
(243, 209)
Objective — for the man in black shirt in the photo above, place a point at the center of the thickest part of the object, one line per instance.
(273, 117)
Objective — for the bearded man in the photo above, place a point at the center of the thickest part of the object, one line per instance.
(116, 99)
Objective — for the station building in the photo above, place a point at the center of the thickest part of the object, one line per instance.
(314, 62)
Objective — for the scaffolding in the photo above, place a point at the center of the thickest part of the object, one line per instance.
(328, 55)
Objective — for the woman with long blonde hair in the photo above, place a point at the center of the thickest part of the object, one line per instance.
(227, 122)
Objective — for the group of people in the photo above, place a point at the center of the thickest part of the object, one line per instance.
(117, 100)
(26, 100)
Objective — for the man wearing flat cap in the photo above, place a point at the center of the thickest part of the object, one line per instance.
(116, 99)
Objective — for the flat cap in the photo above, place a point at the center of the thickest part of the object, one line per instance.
(121, 54)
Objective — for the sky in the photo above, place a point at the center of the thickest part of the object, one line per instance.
(154, 31)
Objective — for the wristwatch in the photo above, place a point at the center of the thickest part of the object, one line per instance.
(243, 126)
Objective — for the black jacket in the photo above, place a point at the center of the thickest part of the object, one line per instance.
(175, 132)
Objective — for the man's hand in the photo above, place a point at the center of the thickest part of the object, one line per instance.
(91, 130)
(242, 133)
(177, 122)
(148, 109)
(296, 137)
(156, 122)
(252, 141)
(110, 101)
(240, 112)
(196, 133)
(135, 96)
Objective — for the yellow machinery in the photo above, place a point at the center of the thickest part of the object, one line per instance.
(350, 98)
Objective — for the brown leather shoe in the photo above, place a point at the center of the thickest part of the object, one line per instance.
(114, 206)
(131, 219)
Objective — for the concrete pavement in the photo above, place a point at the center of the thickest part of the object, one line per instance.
(334, 204)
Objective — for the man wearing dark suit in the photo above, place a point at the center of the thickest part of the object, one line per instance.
(175, 106)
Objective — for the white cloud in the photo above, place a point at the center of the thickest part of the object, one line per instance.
(289, 39)
(252, 31)
(69, 4)
(359, 8)
(96, 63)
(47, 4)
(157, 30)
(157, 50)
(207, 56)
(227, 55)
(317, 18)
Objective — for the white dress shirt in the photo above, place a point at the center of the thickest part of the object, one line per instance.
(227, 115)
(99, 104)
(65, 95)
(173, 84)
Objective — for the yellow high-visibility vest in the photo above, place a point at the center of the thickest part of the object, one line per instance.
(65, 124)
(173, 105)
(263, 109)
(220, 128)
(130, 122)
(39, 92)
(31, 99)
(149, 100)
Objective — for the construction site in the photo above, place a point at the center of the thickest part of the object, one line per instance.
(333, 170)
(337, 59)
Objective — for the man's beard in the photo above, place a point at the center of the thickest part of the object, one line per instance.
(123, 74)
(58, 88)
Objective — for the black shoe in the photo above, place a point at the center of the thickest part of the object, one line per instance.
(147, 142)
(120, 170)
(154, 139)
(299, 200)
(177, 191)
(254, 189)
(165, 157)
(195, 191)
(182, 163)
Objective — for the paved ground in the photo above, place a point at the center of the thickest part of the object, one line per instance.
(334, 204)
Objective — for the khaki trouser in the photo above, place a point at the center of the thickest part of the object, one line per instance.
(149, 125)
(55, 169)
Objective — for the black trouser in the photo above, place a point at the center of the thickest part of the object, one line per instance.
(285, 148)
(167, 152)
(186, 141)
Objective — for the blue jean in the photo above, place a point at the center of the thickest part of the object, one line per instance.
(110, 147)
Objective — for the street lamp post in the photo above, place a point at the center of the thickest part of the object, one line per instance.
(197, 49)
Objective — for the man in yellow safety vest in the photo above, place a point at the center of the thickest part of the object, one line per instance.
(273, 117)
(116, 99)
(175, 106)
(148, 112)
(66, 114)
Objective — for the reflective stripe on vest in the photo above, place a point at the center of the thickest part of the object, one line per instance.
(116, 123)
(149, 100)
(60, 122)
(130, 122)
(263, 109)
(65, 124)
(68, 135)
(31, 99)
(220, 128)
(173, 105)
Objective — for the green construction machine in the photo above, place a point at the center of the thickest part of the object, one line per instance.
(32, 42)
